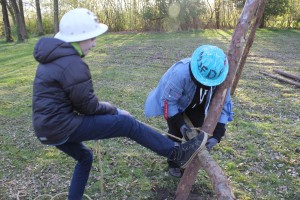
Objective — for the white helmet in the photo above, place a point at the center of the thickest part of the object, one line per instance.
(78, 25)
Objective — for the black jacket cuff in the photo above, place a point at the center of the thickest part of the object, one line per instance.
(176, 120)
(219, 131)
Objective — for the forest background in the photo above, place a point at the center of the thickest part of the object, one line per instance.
(21, 19)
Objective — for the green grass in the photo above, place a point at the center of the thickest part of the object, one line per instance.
(258, 153)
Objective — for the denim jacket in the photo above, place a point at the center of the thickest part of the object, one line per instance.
(177, 89)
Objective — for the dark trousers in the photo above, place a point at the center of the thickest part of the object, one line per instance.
(104, 127)
(196, 116)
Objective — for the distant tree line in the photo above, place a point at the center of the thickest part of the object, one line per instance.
(24, 18)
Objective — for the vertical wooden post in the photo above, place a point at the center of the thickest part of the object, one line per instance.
(219, 181)
(259, 15)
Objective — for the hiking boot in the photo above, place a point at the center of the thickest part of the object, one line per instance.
(183, 154)
(176, 172)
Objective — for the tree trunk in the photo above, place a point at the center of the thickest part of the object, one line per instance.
(39, 18)
(11, 12)
(257, 23)
(20, 36)
(217, 13)
(221, 186)
(211, 14)
(55, 17)
(263, 21)
(22, 20)
(7, 28)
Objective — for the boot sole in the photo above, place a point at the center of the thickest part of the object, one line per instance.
(177, 175)
(201, 147)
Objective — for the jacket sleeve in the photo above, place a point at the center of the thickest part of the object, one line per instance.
(219, 131)
(176, 121)
(78, 85)
(227, 114)
(171, 94)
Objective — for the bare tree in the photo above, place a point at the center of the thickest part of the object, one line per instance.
(217, 12)
(39, 18)
(22, 18)
(20, 26)
(11, 11)
(211, 14)
(55, 13)
(7, 28)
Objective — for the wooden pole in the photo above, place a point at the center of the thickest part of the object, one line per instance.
(259, 15)
(222, 189)
(282, 79)
(292, 76)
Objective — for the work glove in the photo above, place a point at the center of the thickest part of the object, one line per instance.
(211, 142)
(218, 133)
(106, 108)
(185, 131)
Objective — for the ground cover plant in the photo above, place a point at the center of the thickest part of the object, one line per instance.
(260, 153)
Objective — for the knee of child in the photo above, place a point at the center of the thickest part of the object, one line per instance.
(90, 155)
(87, 157)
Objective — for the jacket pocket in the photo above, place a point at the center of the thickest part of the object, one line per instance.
(172, 93)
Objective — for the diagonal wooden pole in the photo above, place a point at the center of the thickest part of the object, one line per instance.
(219, 181)
(259, 15)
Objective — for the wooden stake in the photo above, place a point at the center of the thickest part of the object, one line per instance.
(101, 170)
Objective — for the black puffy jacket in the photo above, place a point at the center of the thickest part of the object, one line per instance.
(62, 92)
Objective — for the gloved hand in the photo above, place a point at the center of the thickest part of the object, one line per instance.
(185, 131)
(106, 108)
(123, 112)
(211, 142)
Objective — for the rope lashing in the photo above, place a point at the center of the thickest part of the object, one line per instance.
(162, 132)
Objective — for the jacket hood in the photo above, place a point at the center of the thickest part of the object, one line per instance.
(49, 49)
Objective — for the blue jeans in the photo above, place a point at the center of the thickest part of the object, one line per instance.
(103, 127)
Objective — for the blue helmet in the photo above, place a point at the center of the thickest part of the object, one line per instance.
(209, 65)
